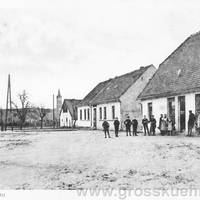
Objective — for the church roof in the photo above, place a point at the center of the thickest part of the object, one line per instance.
(178, 74)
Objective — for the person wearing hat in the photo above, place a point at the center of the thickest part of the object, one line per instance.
(106, 126)
(135, 125)
(127, 124)
(116, 125)
(152, 125)
(145, 122)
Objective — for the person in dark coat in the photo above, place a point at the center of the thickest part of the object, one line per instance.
(116, 125)
(152, 125)
(191, 122)
(135, 125)
(160, 120)
(145, 122)
(127, 123)
(106, 126)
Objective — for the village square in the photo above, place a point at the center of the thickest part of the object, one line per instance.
(65, 147)
(100, 95)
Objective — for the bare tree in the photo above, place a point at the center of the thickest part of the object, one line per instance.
(24, 108)
(42, 113)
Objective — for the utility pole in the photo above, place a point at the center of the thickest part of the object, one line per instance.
(1, 113)
(8, 105)
(53, 113)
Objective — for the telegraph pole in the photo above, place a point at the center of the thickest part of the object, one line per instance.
(8, 105)
(53, 113)
(1, 113)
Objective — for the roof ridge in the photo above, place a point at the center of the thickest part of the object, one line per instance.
(137, 70)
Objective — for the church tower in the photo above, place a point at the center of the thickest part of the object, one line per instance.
(58, 107)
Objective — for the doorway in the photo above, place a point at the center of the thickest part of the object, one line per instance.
(181, 103)
(94, 118)
(150, 110)
(171, 108)
(197, 104)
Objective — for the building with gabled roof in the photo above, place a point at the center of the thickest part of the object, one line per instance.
(175, 87)
(113, 98)
(68, 113)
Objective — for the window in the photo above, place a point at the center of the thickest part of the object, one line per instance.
(88, 112)
(105, 114)
(113, 112)
(80, 114)
(100, 113)
(85, 117)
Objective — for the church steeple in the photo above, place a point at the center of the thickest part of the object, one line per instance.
(58, 107)
(59, 94)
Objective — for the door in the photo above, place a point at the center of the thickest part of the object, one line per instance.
(197, 104)
(181, 102)
(94, 118)
(171, 108)
(150, 110)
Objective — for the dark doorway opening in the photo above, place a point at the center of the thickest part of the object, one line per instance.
(181, 103)
(197, 104)
(150, 110)
(95, 118)
(171, 108)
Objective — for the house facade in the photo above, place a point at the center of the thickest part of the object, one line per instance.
(175, 87)
(68, 113)
(113, 98)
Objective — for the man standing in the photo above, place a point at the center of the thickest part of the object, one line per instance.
(135, 125)
(106, 126)
(145, 122)
(128, 126)
(160, 121)
(153, 125)
(191, 122)
(116, 125)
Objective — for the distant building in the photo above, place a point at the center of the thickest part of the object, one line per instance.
(68, 113)
(175, 87)
(113, 98)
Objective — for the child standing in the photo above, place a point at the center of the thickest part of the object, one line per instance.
(170, 127)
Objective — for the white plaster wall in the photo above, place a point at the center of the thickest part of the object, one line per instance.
(65, 119)
(109, 114)
(83, 122)
(159, 106)
(129, 104)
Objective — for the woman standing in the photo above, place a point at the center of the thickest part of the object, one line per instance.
(163, 127)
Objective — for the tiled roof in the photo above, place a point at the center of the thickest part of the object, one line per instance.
(71, 105)
(178, 74)
(118, 86)
(112, 89)
(87, 100)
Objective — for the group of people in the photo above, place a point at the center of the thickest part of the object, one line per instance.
(166, 125)
(128, 123)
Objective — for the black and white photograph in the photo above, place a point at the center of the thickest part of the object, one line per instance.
(99, 99)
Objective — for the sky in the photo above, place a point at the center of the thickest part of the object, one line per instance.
(72, 45)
